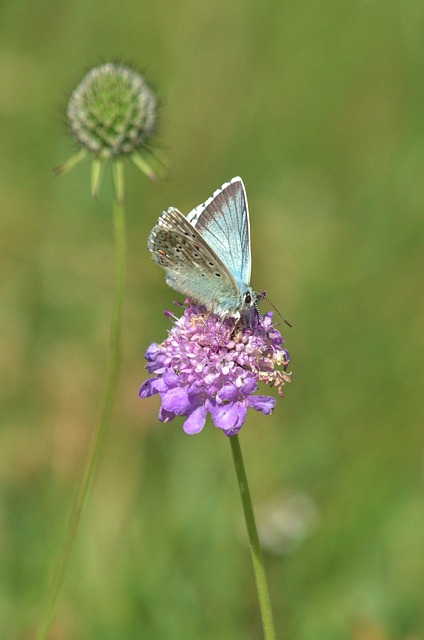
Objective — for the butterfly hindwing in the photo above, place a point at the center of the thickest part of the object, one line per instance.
(192, 266)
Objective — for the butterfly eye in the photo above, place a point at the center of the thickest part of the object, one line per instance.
(247, 298)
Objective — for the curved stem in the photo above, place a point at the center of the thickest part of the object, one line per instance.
(255, 549)
(98, 436)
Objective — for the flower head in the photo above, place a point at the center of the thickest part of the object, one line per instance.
(209, 365)
(112, 113)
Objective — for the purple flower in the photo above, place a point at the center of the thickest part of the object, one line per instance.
(209, 365)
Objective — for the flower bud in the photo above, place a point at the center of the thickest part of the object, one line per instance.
(112, 114)
(112, 111)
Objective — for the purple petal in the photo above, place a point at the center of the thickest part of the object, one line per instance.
(265, 404)
(228, 392)
(196, 420)
(155, 358)
(149, 388)
(165, 416)
(152, 351)
(176, 401)
(232, 432)
(249, 386)
(229, 416)
(171, 379)
(155, 367)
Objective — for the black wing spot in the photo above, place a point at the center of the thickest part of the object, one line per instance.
(218, 275)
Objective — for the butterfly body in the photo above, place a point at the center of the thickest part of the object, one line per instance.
(206, 255)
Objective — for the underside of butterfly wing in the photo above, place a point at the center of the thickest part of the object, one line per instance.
(191, 266)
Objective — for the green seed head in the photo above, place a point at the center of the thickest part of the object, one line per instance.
(112, 111)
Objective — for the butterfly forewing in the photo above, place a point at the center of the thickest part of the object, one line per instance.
(192, 267)
(223, 221)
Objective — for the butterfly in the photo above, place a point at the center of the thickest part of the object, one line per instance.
(206, 255)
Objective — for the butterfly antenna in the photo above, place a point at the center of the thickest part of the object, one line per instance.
(275, 309)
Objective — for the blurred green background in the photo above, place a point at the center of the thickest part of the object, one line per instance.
(319, 106)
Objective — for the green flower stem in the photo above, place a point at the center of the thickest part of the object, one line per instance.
(255, 549)
(98, 436)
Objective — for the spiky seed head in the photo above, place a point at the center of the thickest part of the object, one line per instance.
(112, 111)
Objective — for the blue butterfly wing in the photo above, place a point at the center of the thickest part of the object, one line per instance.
(192, 267)
(223, 221)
